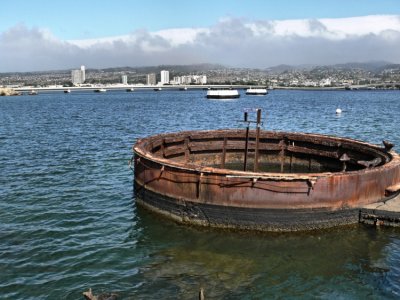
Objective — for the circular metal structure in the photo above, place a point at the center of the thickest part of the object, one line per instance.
(263, 180)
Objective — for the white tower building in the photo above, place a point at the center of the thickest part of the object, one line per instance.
(164, 77)
(83, 73)
(124, 79)
(151, 79)
(78, 76)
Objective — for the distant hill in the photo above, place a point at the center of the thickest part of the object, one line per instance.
(374, 67)
(148, 69)
(389, 66)
(368, 66)
(281, 68)
(171, 68)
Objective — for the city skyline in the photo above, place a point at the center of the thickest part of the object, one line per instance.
(49, 36)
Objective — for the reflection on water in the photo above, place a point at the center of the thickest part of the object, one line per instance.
(226, 264)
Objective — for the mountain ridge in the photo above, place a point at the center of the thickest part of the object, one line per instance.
(372, 66)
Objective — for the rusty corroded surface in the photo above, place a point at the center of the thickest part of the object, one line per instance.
(297, 172)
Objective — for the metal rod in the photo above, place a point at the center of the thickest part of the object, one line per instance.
(246, 149)
(282, 154)
(187, 150)
(163, 148)
(256, 154)
(247, 142)
(223, 153)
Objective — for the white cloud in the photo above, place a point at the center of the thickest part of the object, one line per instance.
(231, 41)
(175, 37)
(328, 28)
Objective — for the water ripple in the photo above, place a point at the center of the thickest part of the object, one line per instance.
(68, 220)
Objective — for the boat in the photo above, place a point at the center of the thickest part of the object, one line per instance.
(183, 89)
(67, 91)
(100, 90)
(33, 93)
(157, 89)
(223, 94)
(130, 90)
(256, 91)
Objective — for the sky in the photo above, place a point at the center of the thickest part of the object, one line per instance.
(51, 35)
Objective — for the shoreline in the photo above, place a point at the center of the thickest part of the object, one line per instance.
(191, 87)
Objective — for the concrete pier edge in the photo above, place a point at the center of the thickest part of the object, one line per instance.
(386, 213)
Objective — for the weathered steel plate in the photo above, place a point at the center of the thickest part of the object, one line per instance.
(302, 181)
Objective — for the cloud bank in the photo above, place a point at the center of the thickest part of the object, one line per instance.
(233, 42)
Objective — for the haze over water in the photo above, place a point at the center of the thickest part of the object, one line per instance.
(68, 219)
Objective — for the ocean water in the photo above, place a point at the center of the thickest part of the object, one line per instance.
(68, 219)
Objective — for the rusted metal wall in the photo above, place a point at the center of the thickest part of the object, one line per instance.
(168, 165)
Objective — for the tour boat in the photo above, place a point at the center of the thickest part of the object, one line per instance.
(223, 94)
(256, 91)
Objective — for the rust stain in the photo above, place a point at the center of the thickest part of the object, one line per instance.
(293, 170)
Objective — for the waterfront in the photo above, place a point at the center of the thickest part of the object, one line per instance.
(69, 221)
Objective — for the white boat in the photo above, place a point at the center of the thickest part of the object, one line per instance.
(157, 89)
(257, 91)
(130, 90)
(100, 90)
(183, 89)
(223, 94)
(67, 91)
(33, 93)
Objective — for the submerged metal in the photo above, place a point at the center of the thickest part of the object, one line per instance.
(297, 181)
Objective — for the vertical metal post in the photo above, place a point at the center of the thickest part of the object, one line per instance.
(282, 154)
(247, 142)
(187, 150)
(223, 153)
(257, 140)
(163, 148)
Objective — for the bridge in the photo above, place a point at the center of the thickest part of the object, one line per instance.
(125, 87)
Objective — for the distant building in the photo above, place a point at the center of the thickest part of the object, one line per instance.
(177, 80)
(78, 76)
(83, 73)
(190, 79)
(164, 77)
(202, 79)
(186, 80)
(325, 82)
(124, 79)
(151, 79)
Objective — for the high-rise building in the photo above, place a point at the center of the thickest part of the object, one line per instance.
(151, 79)
(164, 77)
(78, 76)
(124, 79)
(83, 73)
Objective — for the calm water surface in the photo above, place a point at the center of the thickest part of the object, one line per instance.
(68, 219)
